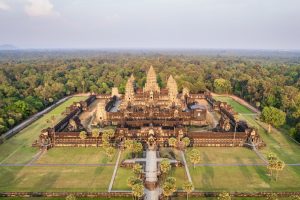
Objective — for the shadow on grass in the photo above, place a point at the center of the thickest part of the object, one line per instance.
(46, 182)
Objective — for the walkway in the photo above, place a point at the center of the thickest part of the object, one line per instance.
(186, 167)
(115, 172)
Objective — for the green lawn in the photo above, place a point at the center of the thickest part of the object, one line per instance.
(225, 155)
(79, 155)
(55, 179)
(244, 179)
(180, 175)
(236, 105)
(120, 182)
(280, 144)
(18, 148)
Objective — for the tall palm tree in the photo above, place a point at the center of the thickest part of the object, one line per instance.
(186, 141)
(138, 190)
(168, 189)
(188, 188)
(172, 142)
(129, 145)
(110, 152)
(83, 136)
(137, 169)
(95, 134)
(194, 156)
(279, 167)
(137, 147)
(70, 197)
(224, 196)
(165, 166)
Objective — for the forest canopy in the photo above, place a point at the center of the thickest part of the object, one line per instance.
(31, 81)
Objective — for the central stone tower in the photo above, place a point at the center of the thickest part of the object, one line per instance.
(151, 83)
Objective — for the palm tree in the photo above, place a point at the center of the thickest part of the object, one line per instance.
(129, 145)
(109, 132)
(110, 152)
(279, 167)
(132, 181)
(188, 188)
(172, 142)
(224, 196)
(138, 190)
(272, 160)
(194, 156)
(165, 166)
(137, 147)
(272, 196)
(137, 169)
(186, 141)
(83, 136)
(168, 189)
(95, 133)
(70, 197)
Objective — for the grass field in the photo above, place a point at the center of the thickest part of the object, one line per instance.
(225, 155)
(55, 179)
(78, 155)
(248, 178)
(18, 148)
(51, 178)
(120, 182)
(236, 106)
(244, 179)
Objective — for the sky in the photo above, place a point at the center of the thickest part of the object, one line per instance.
(190, 24)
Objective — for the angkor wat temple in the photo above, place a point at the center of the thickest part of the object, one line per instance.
(151, 115)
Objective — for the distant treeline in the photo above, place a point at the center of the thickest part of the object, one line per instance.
(31, 84)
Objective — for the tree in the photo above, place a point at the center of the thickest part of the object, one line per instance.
(70, 197)
(95, 133)
(137, 169)
(188, 188)
(272, 196)
(110, 152)
(138, 190)
(272, 158)
(83, 135)
(222, 86)
(132, 181)
(194, 156)
(186, 141)
(165, 166)
(224, 196)
(273, 116)
(279, 167)
(137, 147)
(172, 141)
(168, 189)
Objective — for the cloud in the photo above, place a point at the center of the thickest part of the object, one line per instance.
(4, 6)
(40, 8)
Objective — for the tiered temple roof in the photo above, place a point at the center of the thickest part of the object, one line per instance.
(172, 88)
(151, 83)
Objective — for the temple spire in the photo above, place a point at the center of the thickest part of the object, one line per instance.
(151, 83)
(172, 88)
